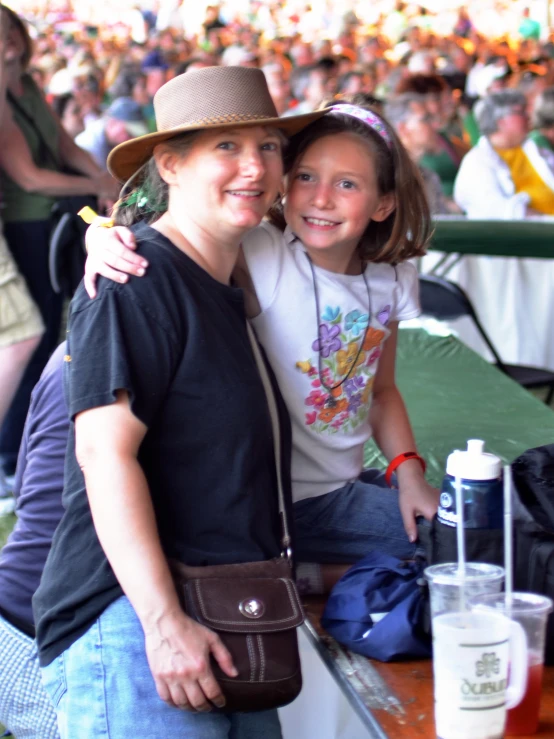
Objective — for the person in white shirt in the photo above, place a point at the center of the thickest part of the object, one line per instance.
(325, 297)
(506, 175)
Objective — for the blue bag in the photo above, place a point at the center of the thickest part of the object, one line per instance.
(379, 609)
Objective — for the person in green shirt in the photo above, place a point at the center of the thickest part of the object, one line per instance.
(529, 27)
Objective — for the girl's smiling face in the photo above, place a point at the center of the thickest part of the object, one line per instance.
(332, 196)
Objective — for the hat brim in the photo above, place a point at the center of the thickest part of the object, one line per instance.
(127, 158)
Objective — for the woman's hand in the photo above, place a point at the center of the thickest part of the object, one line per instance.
(178, 651)
(111, 254)
(416, 497)
(105, 187)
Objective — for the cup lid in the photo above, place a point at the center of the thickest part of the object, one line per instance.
(522, 604)
(474, 463)
(448, 572)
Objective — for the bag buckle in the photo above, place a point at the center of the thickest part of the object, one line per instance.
(252, 608)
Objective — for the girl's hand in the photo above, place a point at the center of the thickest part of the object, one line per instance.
(111, 254)
(416, 498)
(178, 651)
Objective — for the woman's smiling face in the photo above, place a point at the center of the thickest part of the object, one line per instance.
(230, 178)
(333, 194)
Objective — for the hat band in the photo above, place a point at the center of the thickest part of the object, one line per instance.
(227, 118)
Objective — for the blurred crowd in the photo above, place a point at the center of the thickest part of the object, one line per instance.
(427, 69)
(470, 93)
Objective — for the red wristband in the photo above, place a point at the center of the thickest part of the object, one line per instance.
(397, 461)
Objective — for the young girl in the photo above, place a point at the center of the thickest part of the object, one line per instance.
(325, 292)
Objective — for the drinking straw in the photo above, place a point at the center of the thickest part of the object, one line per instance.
(460, 528)
(461, 540)
(508, 561)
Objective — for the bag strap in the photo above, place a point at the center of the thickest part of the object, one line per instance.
(274, 413)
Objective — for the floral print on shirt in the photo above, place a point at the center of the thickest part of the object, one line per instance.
(348, 346)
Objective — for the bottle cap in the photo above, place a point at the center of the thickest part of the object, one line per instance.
(475, 463)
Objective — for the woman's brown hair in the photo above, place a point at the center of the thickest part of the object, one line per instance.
(406, 231)
(144, 197)
(21, 26)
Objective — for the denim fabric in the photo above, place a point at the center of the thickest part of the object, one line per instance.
(346, 524)
(24, 705)
(101, 686)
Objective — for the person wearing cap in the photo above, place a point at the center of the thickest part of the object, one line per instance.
(122, 121)
(171, 450)
(155, 68)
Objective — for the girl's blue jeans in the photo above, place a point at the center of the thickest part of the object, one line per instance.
(344, 525)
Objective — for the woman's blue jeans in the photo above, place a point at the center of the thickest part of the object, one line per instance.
(102, 687)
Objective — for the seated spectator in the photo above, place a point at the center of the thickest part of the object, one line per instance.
(69, 112)
(505, 175)
(130, 82)
(413, 124)
(156, 69)
(352, 83)
(309, 87)
(88, 93)
(123, 120)
(278, 85)
(446, 146)
(543, 120)
(25, 707)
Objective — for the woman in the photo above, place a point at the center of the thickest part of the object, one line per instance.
(34, 152)
(141, 485)
(20, 322)
(506, 175)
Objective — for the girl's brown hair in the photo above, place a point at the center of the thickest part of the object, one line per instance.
(144, 197)
(21, 26)
(406, 231)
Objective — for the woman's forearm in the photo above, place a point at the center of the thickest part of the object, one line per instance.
(53, 184)
(17, 162)
(126, 527)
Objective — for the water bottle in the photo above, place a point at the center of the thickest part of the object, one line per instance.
(481, 478)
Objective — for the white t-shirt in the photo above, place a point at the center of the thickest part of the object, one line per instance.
(329, 433)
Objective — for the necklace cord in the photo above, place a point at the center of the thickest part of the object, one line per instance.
(330, 388)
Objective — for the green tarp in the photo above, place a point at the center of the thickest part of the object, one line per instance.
(452, 395)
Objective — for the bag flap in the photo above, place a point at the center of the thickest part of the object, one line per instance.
(250, 604)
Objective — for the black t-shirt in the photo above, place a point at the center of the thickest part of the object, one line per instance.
(177, 342)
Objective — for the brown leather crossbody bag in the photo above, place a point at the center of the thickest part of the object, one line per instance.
(254, 607)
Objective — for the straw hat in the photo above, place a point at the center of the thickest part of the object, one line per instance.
(213, 97)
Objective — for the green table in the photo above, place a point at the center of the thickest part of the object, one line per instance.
(452, 395)
(527, 238)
